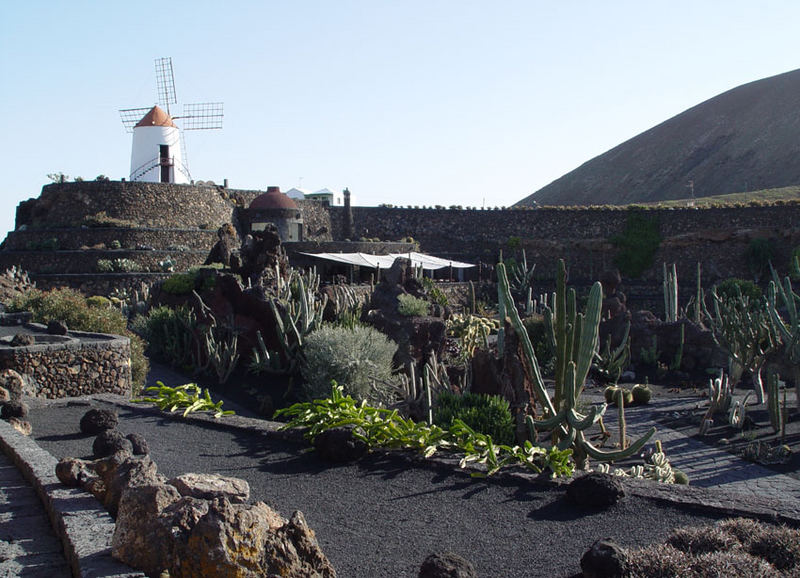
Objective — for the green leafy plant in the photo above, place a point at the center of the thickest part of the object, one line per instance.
(188, 397)
(383, 428)
(637, 244)
(356, 357)
(410, 306)
(486, 414)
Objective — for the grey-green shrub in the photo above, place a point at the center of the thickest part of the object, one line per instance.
(411, 306)
(355, 357)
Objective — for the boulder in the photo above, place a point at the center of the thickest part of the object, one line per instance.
(107, 478)
(158, 530)
(139, 540)
(447, 565)
(604, 559)
(22, 340)
(339, 445)
(109, 442)
(95, 421)
(13, 408)
(595, 490)
(22, 426)
(4, 395)
(56, 327)
(15, 384)
(210, 486)
(139, 444)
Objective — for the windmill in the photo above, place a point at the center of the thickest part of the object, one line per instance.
(158, 153)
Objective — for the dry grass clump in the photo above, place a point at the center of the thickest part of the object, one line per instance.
(657, 561)
(732, 548)
(696, 540)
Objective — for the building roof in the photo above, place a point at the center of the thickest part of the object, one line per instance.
(156, 117)
(273, 199)
(297, 193)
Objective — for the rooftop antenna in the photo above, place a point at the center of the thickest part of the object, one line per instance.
(196, 116)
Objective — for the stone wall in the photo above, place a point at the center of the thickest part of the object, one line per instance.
(146, 204)
(97, 284)
(129, 238)
(716, 237)
(90, 364)
(71, 262)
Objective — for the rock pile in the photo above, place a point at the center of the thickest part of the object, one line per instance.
(195, 524)
(12, 408)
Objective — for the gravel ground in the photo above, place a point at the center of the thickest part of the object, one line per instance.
(383, 516)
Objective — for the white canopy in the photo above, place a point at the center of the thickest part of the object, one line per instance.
(427, 262)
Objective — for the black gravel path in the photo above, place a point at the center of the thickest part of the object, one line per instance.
(383, 516)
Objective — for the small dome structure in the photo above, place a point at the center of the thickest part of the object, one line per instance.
(277, 208)
(273, 199)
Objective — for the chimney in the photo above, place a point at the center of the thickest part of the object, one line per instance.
(348, 215)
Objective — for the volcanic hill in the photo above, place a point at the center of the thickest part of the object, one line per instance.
(745, 139)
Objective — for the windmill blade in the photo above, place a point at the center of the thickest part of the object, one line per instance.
(202, 116)
(131, 116)
(166, 82)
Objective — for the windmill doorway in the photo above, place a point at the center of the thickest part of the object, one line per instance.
(165, 162)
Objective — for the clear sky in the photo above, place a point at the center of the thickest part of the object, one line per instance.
(412, 102)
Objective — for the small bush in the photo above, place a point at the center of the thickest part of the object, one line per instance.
(356, 358)
(115, 245)
(185, 283)
(759, 253)
(730, 288)
(410, 306)
(638, 243)
(98, 301)
(486, 414)
(117, 266)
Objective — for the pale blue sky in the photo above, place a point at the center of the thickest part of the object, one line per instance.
(405, 102)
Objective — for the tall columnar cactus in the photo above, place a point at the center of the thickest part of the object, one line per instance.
(773, 402)
(780, 295)
(576, 344)
(670, 294)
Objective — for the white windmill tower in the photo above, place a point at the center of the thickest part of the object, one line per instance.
(158, 154)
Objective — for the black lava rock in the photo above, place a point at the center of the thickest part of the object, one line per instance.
(57, 328)
(23, 340)
(110, 442)
(140, 447)
(14, 409)
(95, 421)
(447, 565)
(596, 490)
(338, 445)
(604, 559)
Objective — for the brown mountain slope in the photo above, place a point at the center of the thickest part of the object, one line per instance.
(745, 139)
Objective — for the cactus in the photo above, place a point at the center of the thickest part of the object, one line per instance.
(774, 403)
(472, 303)
(576, 344)
(670, 284)
(641, 394)
(788, 324)
(623, 440)
(747, 332)
(221, 352)
(738, 412)
(610, 363)
(678, 359)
